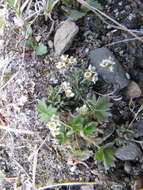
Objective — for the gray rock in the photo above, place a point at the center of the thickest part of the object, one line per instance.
(139, 129)
(64, 36)
(112, 73)
(129, 152)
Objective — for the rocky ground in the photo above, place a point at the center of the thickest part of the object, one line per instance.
(30, 157)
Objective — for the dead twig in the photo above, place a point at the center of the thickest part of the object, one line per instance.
(121, 41)
(67, 184)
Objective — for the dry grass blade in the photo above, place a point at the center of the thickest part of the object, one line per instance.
(97, 11)
(67, 184)
(24, 5)
(121, 41)
(18, 131)
(34, 166)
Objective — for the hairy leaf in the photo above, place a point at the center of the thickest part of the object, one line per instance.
(77, 123)
(94, 4)
(45, 112)
(99, 107)
(75, 14)
(41, 49)
(10, 3)
(89, 128)
(106, 154)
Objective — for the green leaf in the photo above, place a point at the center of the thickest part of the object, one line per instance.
(1, 24)
(100, 115)
(99, 108)
(61, 138)
(75, 14)
(89, 128)
(77, 123)
(70, 132)
(10, 3)
(102, 103)
(82, 154)
(94, 4)
(32, 44)
(106, 155)
(45, 112)
(41, 49)
(29, 31)
(54, 97)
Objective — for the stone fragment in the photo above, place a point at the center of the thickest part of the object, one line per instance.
(129, 152)
(108, 67)
(139, 129)
(64, 36)
(133, 90)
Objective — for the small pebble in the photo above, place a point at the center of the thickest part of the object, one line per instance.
(133, 90)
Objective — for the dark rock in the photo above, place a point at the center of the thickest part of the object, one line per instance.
(139, 129)
(112, 74)
(129, 152)
(141, 64)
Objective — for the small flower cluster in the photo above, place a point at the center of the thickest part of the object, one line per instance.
(83, 110)
(54, 125)
(91, 74)
(65, 59)
(108, 63)
(68, 90)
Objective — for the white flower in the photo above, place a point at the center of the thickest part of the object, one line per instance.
(52, 125)
(60, 65)
(56, 119)
(18, 21)
(108, 63)
(91, 68)
(66, 86)
(55, 132)
(64, 58)
(69, 93)
(72, 60)
(94, 77)
(68, 90)
(88, 74)
(82, 110)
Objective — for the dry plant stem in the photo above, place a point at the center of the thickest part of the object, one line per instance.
(17, 131)
(132, 30)
(34, 167)
(122, 41)
(67, 184)
(136, 115)
(21, 167)
(52, 27)
(95, 10)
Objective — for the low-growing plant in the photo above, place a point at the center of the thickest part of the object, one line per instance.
(76, 11)
(30, 43)
(106, 155)
(46, 6)
(76, 131)
(45, 112)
